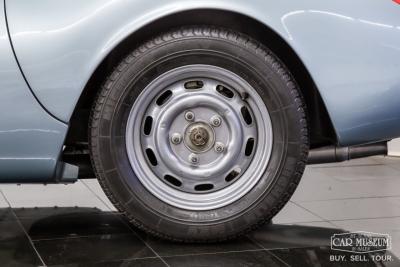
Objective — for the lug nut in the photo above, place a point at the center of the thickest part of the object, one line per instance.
(216, 121)
(176, 139)
(189, 116)
(194, 159)
(219, 147)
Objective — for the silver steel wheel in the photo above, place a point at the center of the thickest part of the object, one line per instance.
(199, 137)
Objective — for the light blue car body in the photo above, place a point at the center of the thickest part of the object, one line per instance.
(49, 50)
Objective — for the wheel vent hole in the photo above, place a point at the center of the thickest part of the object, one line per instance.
(225, 91)
(193, 85)
(232, 175)
(249, 147)
(246, 115)
(204, 187)
(151, 156)
(162, 99)
(172, 180)
(148, 124)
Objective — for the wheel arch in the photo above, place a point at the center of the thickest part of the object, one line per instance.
(321, 129)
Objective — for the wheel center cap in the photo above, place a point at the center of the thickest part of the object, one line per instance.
(199, 137)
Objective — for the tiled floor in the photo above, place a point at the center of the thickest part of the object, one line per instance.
(76, 225)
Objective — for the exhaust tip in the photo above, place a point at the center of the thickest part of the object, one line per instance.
(333, 154)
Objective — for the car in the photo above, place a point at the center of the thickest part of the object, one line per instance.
(198, 118)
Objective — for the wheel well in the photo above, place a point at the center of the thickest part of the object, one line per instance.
(321, 129)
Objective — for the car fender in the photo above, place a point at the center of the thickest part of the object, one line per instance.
(351, 50)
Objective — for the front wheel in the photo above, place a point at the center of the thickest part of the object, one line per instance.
(199, 135)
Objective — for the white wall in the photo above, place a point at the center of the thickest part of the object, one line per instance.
(394, 148)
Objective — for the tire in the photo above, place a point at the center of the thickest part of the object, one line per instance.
(190, 187)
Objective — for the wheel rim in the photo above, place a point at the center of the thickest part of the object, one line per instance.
(199, 137)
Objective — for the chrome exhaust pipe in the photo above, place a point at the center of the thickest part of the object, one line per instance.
(332, 154)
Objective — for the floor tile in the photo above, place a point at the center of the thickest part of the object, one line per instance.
(317, 185)
(316, 181)
(320, 256)
(72, 226)
(44, 212)
(148, 262)
(355, 162)
(328, 190)
(95, 187)
(52, 195)
(18, 252)
(393, 162)
(15, 248)
(315, 224)
(6, 214)
(359, 173)
(166, 248)
(292, 213)
(3, 202)
(293, 236)
(379, 225)
(395, 235)
(355, 208)
(250, 258)
(10, 230)
(107, 247)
